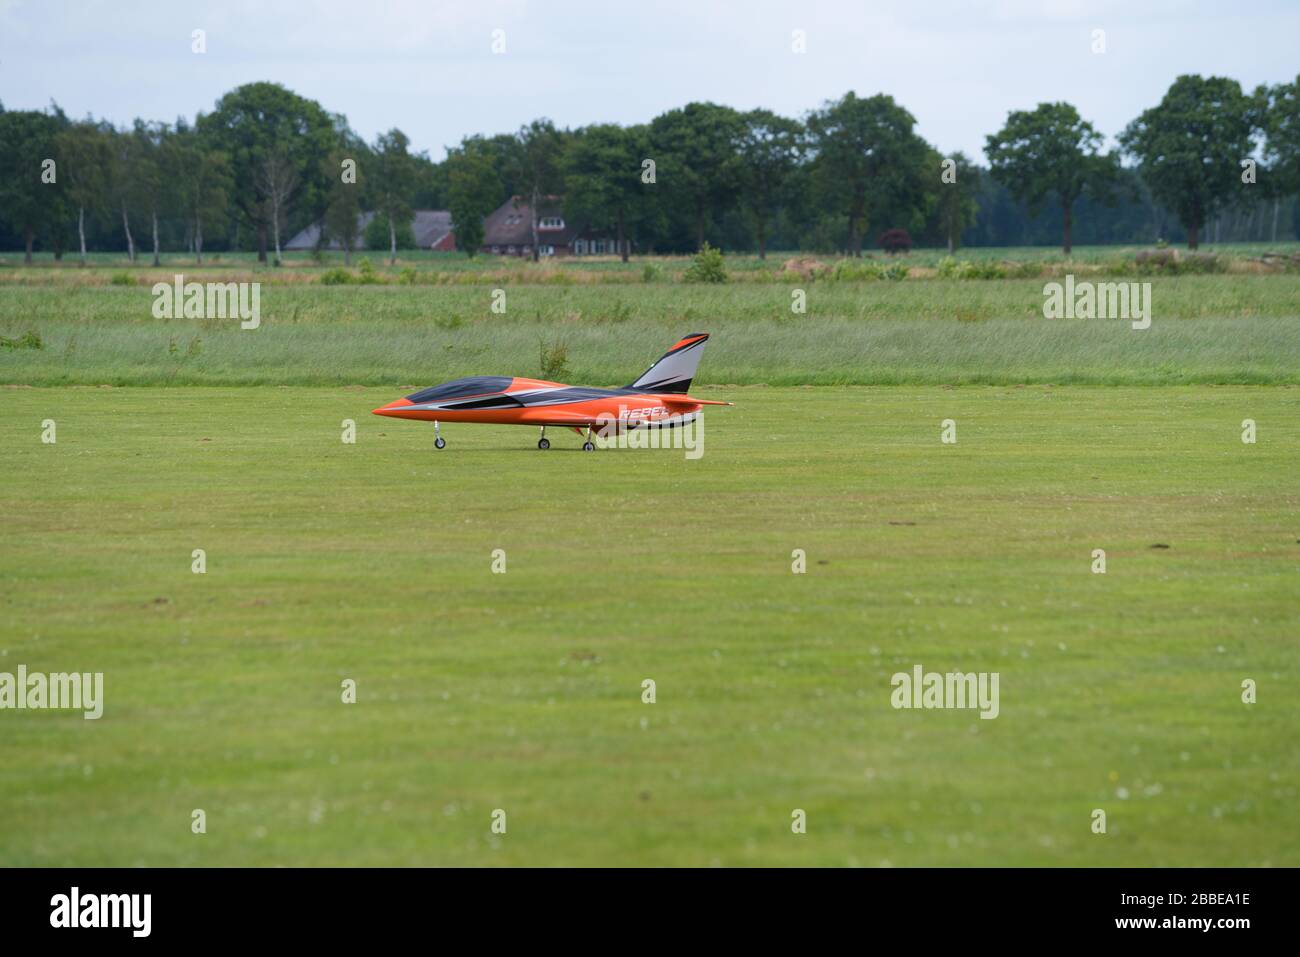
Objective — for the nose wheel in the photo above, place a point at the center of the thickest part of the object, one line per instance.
(543, 443)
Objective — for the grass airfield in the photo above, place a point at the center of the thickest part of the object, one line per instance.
(522, 691)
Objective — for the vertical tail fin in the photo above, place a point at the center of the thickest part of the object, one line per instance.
(675, 369)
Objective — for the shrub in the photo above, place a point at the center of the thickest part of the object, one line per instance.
(895, 241)
(849, 270)
(707, 267)
(554, 360)
(368, 276)
(650, 272)
(895, 271)
(121, 279)
(338, 276)
(407, 276)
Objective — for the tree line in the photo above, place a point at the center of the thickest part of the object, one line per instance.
(266, 162)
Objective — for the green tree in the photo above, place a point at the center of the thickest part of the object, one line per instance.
(29, 187)
(868, 161)
(771, 148)
(602, 178)
(696, 163)
(541, 146)
(1191, 145)
(200, 177)
(474, 191)
(1281, 124)
(392, 184)
(85, 156)
(955, 201)
(151, 188)
(1051, 151)
(123, 184)
(275, 140)
(343, 204)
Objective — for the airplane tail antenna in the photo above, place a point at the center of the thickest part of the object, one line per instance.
(675, 369)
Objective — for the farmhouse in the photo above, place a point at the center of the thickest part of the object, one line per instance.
(432, 228)
(509, 231)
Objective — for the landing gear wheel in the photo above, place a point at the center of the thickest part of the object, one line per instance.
(543, 444)
(588, 447)
(440, 443)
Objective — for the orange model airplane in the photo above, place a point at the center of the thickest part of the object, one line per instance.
(657, 399)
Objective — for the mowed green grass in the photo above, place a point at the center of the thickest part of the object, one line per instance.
(522, 691)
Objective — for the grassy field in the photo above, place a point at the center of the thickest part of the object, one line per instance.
(614, 269)
(1204, 329)
(522, 691)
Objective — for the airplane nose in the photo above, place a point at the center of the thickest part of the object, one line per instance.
(392, 408)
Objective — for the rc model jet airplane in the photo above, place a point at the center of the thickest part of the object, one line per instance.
(656, 399)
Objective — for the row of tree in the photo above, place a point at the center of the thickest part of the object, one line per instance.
(266, 162)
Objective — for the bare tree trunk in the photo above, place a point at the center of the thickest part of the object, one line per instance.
(347, 253)
(275, 228)
(29, 236)
(762, 238)
(536, 254)
(130, 240)
(261, 242)
(198, 239)
(156, 260)
(950, 243)
(1191, 237)
(1277, 204)
(81, 231)
(622, 244)
(392, 242)
(1068, 216)
(699, 227)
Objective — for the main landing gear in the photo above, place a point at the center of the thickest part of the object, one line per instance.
(587, 446)
(438, 442)
(543, 443)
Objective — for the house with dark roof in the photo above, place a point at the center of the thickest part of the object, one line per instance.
(432, 229)
(509, 231)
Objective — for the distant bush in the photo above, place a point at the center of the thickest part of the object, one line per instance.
(1023, 270)
(554, 360)
(850, 270)
(651, 272)
(121, 279)
(895, 271)
(338, 276)
(1171, 263)
(707, 267)
(950, 268)
(407, 276)
(895, 241)
(367, 275)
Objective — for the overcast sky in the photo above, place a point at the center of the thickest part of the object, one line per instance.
(428, 66)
